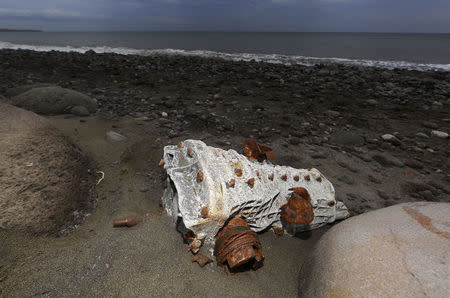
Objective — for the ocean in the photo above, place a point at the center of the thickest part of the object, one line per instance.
(387, 50)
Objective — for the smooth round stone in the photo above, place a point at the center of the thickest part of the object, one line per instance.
(399, 251)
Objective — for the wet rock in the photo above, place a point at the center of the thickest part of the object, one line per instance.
(294, 141)
(24, 88)
(79, 111)
(421, 135)
(360, 257)
(53, 100)
(113, 136)
(439, 134)
(391, 139)
(387, 160)
(347, 138)
(414, 164)
(429, 124)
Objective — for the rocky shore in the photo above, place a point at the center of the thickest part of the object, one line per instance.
(380, 136)
(375, 128)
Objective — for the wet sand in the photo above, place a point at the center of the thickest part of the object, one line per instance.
(149, 259)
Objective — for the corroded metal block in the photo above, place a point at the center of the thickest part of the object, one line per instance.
(206, 186)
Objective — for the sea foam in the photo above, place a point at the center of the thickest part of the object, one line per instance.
(269, 58)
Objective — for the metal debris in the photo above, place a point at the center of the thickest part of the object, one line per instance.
(237, 245)
(201, 259)
(233, 185)
(127, 221)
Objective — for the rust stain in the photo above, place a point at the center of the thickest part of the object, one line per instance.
(251, 182)
(161, 162)
(425, 222)
(199, 176)
(231, 182)
(296, 178)
(189, 151)
(205, 212)
(271, 177)
(165, 184)
(298, 209)
(238, 172)
(284, 177)
(307, 178)
(180, 144)
(319, 179)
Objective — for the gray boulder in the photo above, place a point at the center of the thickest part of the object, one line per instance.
(399, 251)
(53, 100)
(11, 92)
(79, 111)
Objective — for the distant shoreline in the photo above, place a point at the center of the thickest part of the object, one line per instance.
(19, 30)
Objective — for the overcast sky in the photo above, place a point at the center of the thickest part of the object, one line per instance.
(253, 15)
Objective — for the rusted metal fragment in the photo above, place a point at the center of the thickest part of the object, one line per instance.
(231, 187)
(298, 209)
(237, 245)
(256, 151)
(127, 221)
(201, 259)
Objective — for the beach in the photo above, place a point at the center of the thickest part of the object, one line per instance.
(370, 131)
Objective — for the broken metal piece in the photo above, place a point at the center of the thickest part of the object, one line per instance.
(298, 209)
(236, 245)
(226, 192)
(201, 259)
(255, 151)
(127, 221)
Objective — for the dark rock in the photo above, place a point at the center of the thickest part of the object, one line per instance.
(347, 138)
(346, 179)
(79, 111)
(374, 179)
(53, 100)
(22, 89)
(414, 164)
(387, 160)
(294, 141)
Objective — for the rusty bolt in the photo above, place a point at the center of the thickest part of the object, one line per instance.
(189, 151)
(296, 178)
(127, 221)
(257, 174)
(238, 172)
(199, 176)
(307, 178)
(205, 212)
(298, 209)
(331, 203)
(165, 184)
(161, 162)
(271, 177)
(284, 177)
(319, 179)
(251, 182)
(231, 182)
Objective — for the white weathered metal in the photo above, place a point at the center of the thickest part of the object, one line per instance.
(259, 205)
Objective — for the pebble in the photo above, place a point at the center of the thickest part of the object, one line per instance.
(414, 164)
(294, 141)
(391, 139)
(143, 189)
(164, 114)
(115, 137)
(439, 134)
(387, 160)
(421, 135)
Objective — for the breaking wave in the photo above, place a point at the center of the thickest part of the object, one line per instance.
(269, 58)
